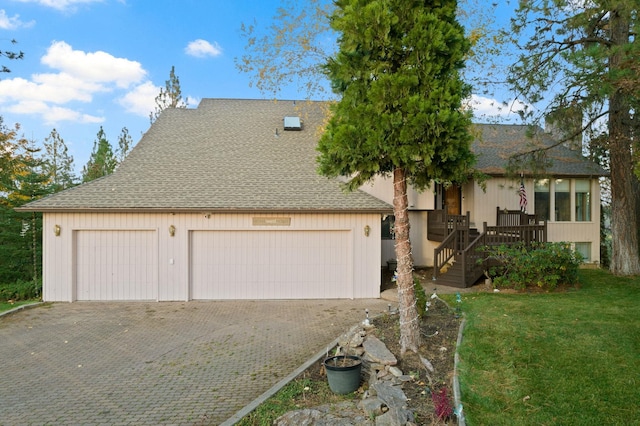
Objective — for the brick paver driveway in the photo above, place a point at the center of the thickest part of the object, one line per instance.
(158, 363)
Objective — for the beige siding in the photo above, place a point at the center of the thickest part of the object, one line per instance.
(61, 253)
(503, 193)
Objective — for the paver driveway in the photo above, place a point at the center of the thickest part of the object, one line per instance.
(158, 363)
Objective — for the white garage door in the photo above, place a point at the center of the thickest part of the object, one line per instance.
(116, 265)
(270, 264)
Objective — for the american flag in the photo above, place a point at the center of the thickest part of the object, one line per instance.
(523, 197)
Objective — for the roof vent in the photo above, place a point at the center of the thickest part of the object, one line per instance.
(292, 123)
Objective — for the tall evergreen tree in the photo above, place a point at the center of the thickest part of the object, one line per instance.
(169, 97)
(397, 73)
(20, 233)
(102, 161)
(57, 163)
(125, 143)
(585, 56)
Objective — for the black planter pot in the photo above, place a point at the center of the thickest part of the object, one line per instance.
(343, 373)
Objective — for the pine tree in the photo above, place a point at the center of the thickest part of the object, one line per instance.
(102, 161)
(397, 72)
(169, 97)
(57, 163)
(125, 143)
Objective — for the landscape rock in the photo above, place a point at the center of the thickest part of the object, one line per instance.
(378, 352)
(384, 401)
(344, 414)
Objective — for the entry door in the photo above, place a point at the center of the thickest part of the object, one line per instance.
(452, 199)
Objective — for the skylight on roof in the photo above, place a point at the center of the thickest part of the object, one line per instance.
(292, 123)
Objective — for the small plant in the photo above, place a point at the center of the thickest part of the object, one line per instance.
(441, 403)
(544, 265)
(422, 303)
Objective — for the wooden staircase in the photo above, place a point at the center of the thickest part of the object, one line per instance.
(460, 259)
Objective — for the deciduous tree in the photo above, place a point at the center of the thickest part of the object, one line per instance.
(11, 55)
(399, 113)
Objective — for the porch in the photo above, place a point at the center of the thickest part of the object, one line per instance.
(459, 259)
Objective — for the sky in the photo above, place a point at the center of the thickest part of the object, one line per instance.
(93, 63)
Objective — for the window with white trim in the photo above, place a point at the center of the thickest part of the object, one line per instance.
(568, 199)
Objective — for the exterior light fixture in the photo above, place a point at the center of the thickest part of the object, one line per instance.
(367, 230)
(56, 230)
(172, 231)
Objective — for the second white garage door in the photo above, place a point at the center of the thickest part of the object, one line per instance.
(270, 264)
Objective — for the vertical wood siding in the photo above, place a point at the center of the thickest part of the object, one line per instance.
(67, 263)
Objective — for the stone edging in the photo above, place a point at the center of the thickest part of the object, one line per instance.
(456, 384)
(20, 308)
(275, 388)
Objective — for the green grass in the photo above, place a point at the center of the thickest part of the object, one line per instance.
(570, 358)
(6, 306)
(299, 393)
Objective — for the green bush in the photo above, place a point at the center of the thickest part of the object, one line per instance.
(421, 298)
(20, 290)
(545, 265)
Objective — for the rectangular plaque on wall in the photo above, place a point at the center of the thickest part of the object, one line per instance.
(271, 221)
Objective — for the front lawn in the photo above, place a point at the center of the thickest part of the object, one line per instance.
(569, 357)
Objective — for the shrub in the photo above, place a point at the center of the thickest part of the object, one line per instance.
(421, 298)
(545, 265)
(20, 290)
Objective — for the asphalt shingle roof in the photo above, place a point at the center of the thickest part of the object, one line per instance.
(234, 155)
(222, 156)
(495, 143)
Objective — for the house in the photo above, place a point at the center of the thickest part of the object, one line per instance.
(224, 202)
(567, 199)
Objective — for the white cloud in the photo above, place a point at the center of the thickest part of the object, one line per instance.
(79, 76)
(61, 4)
(93, 66)
(202, 48)
(141, 100)
(12, 23)
(487, 108)
(53, 114)
(53, 88)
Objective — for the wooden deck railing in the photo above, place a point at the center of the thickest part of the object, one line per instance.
(471, 254)
(440, 224)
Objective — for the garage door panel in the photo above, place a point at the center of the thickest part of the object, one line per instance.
(270, 264)
(115, 265)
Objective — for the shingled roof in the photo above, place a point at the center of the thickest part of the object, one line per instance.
(226, 155)
(495, 143)
(233, 155)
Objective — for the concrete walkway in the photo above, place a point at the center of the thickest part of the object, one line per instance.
(139, 363)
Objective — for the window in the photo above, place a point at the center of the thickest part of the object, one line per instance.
(541, 199)
(583, 200)
(387, 228)
(563, 200)
(585, 250)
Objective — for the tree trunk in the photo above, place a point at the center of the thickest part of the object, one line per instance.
(409, 320)
(624, 232)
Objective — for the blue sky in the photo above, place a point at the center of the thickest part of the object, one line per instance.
(92, 63)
